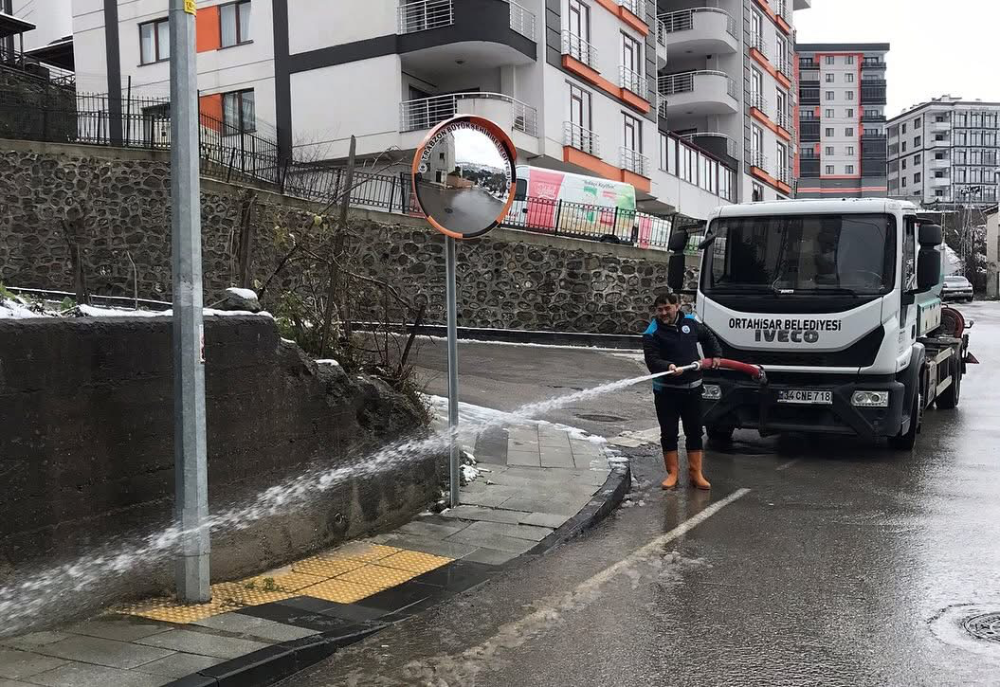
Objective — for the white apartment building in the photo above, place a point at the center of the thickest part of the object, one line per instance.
(693, 109)
(946, 151)
(842, 98)
(52, 19)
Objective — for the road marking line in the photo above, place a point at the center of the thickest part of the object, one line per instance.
(785, 466)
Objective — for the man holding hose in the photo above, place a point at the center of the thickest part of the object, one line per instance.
(671, 341)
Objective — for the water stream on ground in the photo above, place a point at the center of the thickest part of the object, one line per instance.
(69, 589)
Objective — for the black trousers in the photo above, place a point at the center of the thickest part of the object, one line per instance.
(684, 405)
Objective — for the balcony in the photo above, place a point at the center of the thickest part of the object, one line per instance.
(940, 127)
(809, 131)
(510, 114)
(809, 96)
(662, 53)
(579, 50)
(636, 7)
(758, 43)
(523, 21)
(698, 93)
(425, 15)
(699, 32)
(873, 118)
(584, 140)
(758, 160)
(938, 182)
(944, 143)
(717, 144)
(758, 101)
(784, 175)
(634, 162)
(870, 63)
(635, 82)
(934, 163)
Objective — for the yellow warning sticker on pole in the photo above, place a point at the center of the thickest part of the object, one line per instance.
(189, 6)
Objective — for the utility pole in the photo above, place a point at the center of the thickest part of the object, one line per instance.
(190, 445)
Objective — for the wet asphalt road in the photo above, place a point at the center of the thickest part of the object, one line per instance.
(812, 562)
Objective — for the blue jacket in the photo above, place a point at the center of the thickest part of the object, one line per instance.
(677, 344)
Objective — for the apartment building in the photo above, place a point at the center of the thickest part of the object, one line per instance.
(693, 107)
(842, 137)
(52, 20)
(946, 151)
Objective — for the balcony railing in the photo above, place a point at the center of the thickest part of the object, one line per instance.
(672, 84)
(579, 49)
(522, 21)
(757, 41)
(731, 146)
(425, 113)
(808, 63)
(632, 80)
(634, 161)
(575, 136)
(758, 160)
(424, 15)
(661, 32)
(758, 101)
(785, 121)
(683, 20)
(876, 118)
(870, 63)
(634, 6)
(784, 175)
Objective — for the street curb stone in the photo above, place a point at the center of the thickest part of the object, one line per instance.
(268, 666)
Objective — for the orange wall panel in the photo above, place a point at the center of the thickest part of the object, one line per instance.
(210, 111)
(209, 32)
(591, 163)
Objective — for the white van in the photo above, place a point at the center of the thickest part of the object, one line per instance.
(578, 206)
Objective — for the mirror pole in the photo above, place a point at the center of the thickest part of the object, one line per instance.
(451, 288)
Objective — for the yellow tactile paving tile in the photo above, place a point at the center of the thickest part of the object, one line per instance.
(377, 576)
(326, 567)
(340, 591)
(414, 561)
(345, 575)
(366, 553)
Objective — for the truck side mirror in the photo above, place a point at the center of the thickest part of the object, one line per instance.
(930, 235)
(678, 242)
(675, 272)
(928, 267)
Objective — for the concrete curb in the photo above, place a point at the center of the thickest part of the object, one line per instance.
(275, 663)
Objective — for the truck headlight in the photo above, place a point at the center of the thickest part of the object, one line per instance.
(712, 392)
(870, 399)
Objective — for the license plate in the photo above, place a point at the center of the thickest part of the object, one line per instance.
(804, 397)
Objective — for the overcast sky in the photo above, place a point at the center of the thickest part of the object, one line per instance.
(936, 47)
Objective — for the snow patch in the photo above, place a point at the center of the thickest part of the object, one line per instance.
(242, 293)
(326, 361)
(95, 311)
(16, 310)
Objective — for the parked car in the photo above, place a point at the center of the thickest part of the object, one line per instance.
(957, 288)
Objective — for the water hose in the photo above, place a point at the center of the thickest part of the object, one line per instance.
(755, 372)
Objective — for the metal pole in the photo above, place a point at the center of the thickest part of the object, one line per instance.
(451, 288)
(190, 450)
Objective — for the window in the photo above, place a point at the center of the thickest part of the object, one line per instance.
(849, 59)
(780, 103)
(903, 164)
(829, 95)
(903, 129)
(916, 141)
(850, 95)
(154, 41)
(916, 159)
(850, 150)
(910, 255)
(829, 169)
(940, 118)
(757, 23)
(756, 142)
(903, 148)
(829, 131)
(782, 54)
(238, 113)
(938, 156)
(579, 107)
(632, 62)
(756, 84)
(234, 21)
(903, 182)
(830, 59)
(830, 78)
(938, 137)
(579, 21)
(758, 192)
(849, 77)
(916, 178)
(849, 131)
(939, 193)
(850, 113)
(849, 169)
(916, 123)
(939, 175)
(633, 134)
(829, 150)
(829, 113)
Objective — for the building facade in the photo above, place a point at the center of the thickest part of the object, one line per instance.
(946, 151)
(841, 120)
(693, 105)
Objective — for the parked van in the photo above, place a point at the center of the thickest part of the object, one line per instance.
(579, 206)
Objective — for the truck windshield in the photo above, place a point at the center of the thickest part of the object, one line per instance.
(802, 254)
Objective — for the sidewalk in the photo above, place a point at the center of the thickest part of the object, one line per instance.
(538, 485)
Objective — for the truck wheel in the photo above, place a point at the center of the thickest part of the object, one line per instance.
(906, 442)
(720, 435)
(948, 400)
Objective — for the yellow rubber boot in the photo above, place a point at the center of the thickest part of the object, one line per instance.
(698, 480)
(670, 461)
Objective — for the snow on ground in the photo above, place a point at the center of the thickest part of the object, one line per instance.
(14, 310)
(249, 294)
(325, 361)
(95, 311)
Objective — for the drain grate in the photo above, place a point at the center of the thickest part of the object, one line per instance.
(985, 626)
(600, 418)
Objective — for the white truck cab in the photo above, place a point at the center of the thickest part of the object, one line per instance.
(840, 302)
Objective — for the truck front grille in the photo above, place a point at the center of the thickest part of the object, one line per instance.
(861, 354)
